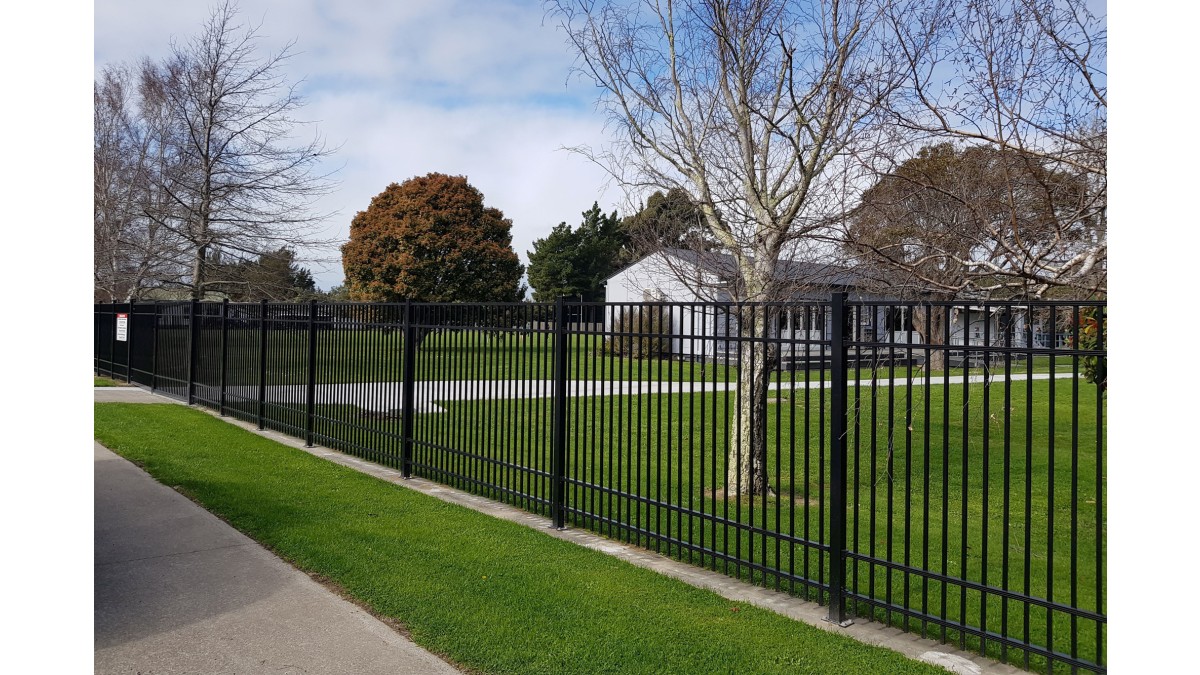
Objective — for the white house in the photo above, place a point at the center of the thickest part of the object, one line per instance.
(694, 280)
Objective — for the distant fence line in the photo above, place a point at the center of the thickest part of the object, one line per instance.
(936, 466)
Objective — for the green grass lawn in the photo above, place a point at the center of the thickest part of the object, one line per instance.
(493, 596)
(366, 356)
(108, 382)
(917, 488)
(377, 356)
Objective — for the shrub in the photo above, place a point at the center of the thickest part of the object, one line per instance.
(641, 333)
(1093, 334)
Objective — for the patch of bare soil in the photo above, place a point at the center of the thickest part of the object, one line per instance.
(773, 496)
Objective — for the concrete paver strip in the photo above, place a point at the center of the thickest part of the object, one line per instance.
(178, 590)
(128, 395)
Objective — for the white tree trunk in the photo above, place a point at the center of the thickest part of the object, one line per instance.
(746, 472)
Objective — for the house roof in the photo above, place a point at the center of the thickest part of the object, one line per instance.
(723, 266)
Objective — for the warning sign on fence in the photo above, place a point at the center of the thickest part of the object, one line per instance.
(122, 327)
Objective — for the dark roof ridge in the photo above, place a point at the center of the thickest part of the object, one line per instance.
(820, 273)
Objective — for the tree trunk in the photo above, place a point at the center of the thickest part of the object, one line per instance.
(198, 273)
(930, 324)
(746, 472)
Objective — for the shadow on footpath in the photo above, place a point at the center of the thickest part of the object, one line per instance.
(161, 562)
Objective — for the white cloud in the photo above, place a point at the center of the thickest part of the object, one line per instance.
(406, 88)
(511, 154)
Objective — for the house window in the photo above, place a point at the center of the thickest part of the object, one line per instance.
(803, 320)
(897, 319)
(1006, 321)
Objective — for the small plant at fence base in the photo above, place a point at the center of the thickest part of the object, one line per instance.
(641, 333)
(1093, 334)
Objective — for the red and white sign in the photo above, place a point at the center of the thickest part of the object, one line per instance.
(122, 327)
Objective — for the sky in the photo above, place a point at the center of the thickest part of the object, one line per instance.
(50, 51)
(405, 88)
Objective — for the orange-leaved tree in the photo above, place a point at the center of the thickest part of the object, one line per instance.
(431, 239)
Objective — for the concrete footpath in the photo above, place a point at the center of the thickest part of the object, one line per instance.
(179, 591)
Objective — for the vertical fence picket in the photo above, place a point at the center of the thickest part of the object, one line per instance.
(154, 347)
(837, 464)
(558, 457)
(112, 341)
(408, 390)
(310, 394)
(224, 372)
(129, 343)
(193, 340)
(262, 362)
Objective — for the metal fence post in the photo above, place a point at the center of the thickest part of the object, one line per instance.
(112, 341)
(224, 356)
(154, 348)
(129, 345)
(262, 361)
(558, 456)
(407, 404)
(311, 393)
(837, 465)
(193, 339)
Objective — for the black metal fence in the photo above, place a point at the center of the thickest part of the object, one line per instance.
(936, 466)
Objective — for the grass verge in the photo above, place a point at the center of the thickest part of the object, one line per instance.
(999, 484)
(106, 382)
(493, 596)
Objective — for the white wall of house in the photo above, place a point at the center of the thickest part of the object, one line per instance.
(971, 325)
(698, 330)
(656, 279)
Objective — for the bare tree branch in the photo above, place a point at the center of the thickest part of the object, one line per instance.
(219, 166)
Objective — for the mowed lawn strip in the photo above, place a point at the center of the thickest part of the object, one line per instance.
(491, 595)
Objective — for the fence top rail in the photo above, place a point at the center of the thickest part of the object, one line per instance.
(143, 308)
(414, 303)
(688, 303)
(1018, 304)
(955, 304)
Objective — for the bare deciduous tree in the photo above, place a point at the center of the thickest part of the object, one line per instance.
(753, 108)
(133, 253)
(115, 181)
(242, 185)
(220, 168)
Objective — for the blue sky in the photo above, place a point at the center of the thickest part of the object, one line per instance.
(405, 88)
